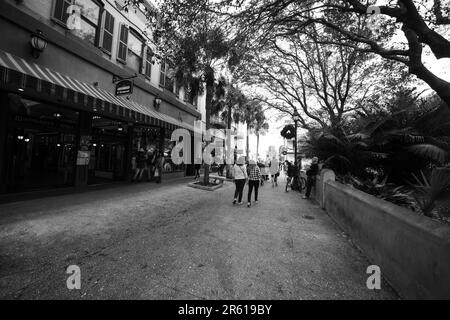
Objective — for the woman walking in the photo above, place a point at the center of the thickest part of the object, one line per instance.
(239, 172)
(254, 176)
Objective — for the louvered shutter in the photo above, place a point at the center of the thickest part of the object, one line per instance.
(123, 43)
(107, 32)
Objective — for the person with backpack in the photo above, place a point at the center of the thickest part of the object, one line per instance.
(239, 173)
(254, 178)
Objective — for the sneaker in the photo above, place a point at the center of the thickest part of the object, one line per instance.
(305, 197)
(234, 201)
(240, 203)
(256, 201)
(248, 205)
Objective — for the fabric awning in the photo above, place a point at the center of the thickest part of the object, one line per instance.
(32, 75)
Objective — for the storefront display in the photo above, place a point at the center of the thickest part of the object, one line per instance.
(41, 144)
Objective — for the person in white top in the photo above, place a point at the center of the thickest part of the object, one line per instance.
(239, 172)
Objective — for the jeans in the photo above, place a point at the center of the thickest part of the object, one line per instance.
(253, 184)
(310, 181)
(240, 183)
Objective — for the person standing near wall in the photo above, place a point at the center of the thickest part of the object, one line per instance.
(289, 173)
(254, 177)
(239, 173)
(311, 174)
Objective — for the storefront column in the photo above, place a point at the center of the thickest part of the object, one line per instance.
(83, 139)
(4, 116)
(190, 168)
(162, 136)
(129, 152)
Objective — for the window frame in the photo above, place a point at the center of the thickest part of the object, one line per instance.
(137, 35)
(98, 27)
(148, 63)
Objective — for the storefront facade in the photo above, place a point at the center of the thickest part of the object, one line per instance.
(61, 123)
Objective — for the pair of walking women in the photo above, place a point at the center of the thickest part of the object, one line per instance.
(242, 173)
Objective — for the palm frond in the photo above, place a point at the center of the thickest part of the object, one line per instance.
(430, 152)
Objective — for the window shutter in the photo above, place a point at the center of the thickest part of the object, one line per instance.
(107, 32)
(123, 43)
(148, 63)
(60, 11)
(162, 75)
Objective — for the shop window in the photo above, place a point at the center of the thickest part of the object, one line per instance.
(107, 32)
(169, 166)
(42, 142)
(107, 150)
(135, 50)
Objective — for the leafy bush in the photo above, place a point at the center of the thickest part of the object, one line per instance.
(399, 195)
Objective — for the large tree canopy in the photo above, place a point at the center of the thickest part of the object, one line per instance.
(419, 23)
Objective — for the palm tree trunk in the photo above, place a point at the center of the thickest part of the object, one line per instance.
(257, 145)
(209, 98)
(248, 147)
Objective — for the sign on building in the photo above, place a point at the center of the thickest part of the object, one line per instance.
(124, 87)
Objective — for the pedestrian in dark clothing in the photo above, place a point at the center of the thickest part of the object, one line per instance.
(140, 165)
(311, 174)
(290, 174)
(149, 165)
(159, 166)
(254, 176)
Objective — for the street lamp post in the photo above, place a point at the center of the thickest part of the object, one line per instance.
(295, 181)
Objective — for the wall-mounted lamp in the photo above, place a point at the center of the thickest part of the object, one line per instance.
(38, 43)
(157, 103)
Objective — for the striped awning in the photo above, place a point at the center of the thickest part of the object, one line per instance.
(29, 75)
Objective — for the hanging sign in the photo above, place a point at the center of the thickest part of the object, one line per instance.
(124, 87)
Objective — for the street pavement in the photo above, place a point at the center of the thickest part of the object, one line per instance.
(171, 241)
